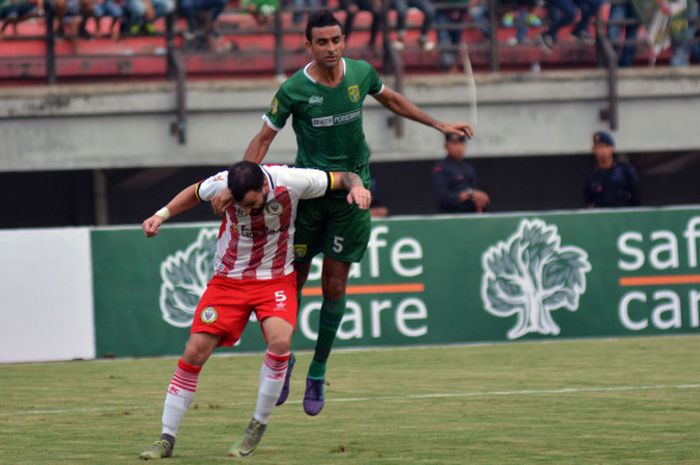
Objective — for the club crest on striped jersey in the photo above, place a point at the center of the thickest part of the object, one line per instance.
(185, 274)
(273, 207)
(209, 315)
(354, 93)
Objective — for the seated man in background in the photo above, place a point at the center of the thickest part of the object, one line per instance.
(455, 180)
(428, 10)
(201, 18)
(111, 9)
(13, 12)
(142, 13)
(254, 271)
(611, 184)
(352, 7)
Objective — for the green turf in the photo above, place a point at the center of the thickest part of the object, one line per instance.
(632, 401)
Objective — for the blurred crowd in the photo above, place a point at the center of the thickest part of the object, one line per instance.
(552, 21)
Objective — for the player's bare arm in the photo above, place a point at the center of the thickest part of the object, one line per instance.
(352, 183)
(182, 202)
(258, 147)
(402, 106)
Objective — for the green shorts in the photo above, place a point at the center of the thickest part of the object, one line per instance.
(332, 226)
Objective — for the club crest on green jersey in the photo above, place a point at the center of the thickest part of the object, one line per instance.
(274, 106)
(354, 93)
(300, 250)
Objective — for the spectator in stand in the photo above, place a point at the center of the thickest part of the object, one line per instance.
(683, 45)
(201, 17)
(562, 13)
(449, 32)
(75, 13)
(352, 7)
(449, 36)
(611, 184)
(521, 16)
(619, 12)
(261, 10)
(143, 13)
(455, 180)
(428, 10)
(110, 9)
(13, 12)
(298, 16)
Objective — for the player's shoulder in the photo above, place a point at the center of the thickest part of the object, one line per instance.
(281, 173)
(358, 65)
(292, 177)
(295, 80)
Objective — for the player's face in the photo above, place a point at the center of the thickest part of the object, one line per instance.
(327, 45)
(254, 201)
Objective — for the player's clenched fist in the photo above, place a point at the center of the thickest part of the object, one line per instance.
(151, 225)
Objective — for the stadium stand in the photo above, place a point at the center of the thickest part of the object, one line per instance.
(245, 47)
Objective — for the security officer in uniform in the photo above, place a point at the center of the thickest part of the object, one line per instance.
(455, 180)
(611, 184)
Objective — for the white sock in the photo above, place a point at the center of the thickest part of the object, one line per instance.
(272, 373)
(179, 397)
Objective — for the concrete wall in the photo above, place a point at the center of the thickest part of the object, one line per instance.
(127, 125)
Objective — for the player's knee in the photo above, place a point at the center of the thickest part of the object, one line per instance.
(195, 357)
(279, 344)
(334, 288)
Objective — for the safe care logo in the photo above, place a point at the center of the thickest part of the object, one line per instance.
(530, 275)
(185, 276)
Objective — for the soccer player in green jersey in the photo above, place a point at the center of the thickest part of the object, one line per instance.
(325, 101)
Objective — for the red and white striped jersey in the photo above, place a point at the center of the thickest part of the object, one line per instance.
(261, 245)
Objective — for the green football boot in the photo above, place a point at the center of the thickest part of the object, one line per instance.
(247, 443)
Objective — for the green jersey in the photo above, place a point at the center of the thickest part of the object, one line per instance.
(328, 121)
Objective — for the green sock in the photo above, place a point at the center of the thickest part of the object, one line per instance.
(331, 316)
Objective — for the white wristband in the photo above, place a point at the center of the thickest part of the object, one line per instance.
(163, 213)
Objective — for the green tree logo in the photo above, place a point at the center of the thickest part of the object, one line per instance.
(185, 276)
(530, 275)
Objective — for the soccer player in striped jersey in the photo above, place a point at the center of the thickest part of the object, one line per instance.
(253, 271)
(325, 100)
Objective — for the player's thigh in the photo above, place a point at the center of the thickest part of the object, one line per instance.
(276, 299)
(223, 310)
(347, 232)
(309, 227)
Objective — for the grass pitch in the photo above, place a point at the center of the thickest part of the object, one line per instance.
(624, 401)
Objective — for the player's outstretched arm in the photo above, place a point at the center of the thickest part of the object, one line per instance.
(352, 183)
(402, 106)
(258, 147)
(183, 201)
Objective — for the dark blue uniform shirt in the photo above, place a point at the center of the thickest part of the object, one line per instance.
(617, 186)
(450, 178)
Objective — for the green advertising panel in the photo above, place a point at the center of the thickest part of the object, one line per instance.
(432, 280)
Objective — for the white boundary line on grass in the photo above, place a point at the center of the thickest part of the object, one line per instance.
(446, 395)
